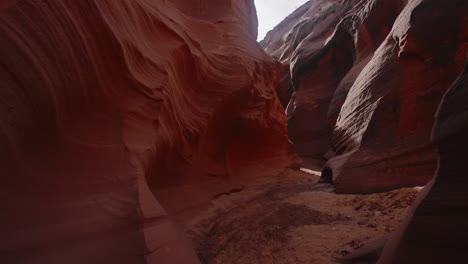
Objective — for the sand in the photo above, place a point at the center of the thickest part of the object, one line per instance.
(289, 218)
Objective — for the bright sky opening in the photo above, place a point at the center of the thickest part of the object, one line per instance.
(271, 12)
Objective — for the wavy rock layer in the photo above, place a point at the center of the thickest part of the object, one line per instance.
(116, 114)
(366, 80)
(436, 230)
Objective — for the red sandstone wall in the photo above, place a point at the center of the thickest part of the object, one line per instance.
(436, 229)
(367, 77)
(117, 114)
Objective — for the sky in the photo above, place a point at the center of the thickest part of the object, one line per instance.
(271, 12)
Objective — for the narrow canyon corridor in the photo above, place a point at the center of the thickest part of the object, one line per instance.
(173, 132)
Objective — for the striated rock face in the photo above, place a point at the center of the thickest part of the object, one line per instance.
(436, 230)
(117, 114)
(366, 79)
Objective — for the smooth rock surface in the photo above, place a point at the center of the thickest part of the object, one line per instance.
(436, 229)
(367, 77)
(117, 115)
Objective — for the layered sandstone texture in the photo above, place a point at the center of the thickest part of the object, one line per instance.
(116, 115)
(366, 78)
(436, 229)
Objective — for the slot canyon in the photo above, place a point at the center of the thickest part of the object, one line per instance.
(163, 132)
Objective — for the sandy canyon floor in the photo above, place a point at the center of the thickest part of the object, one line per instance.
(290, 218)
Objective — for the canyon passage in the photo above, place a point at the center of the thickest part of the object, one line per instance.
(161, 131)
